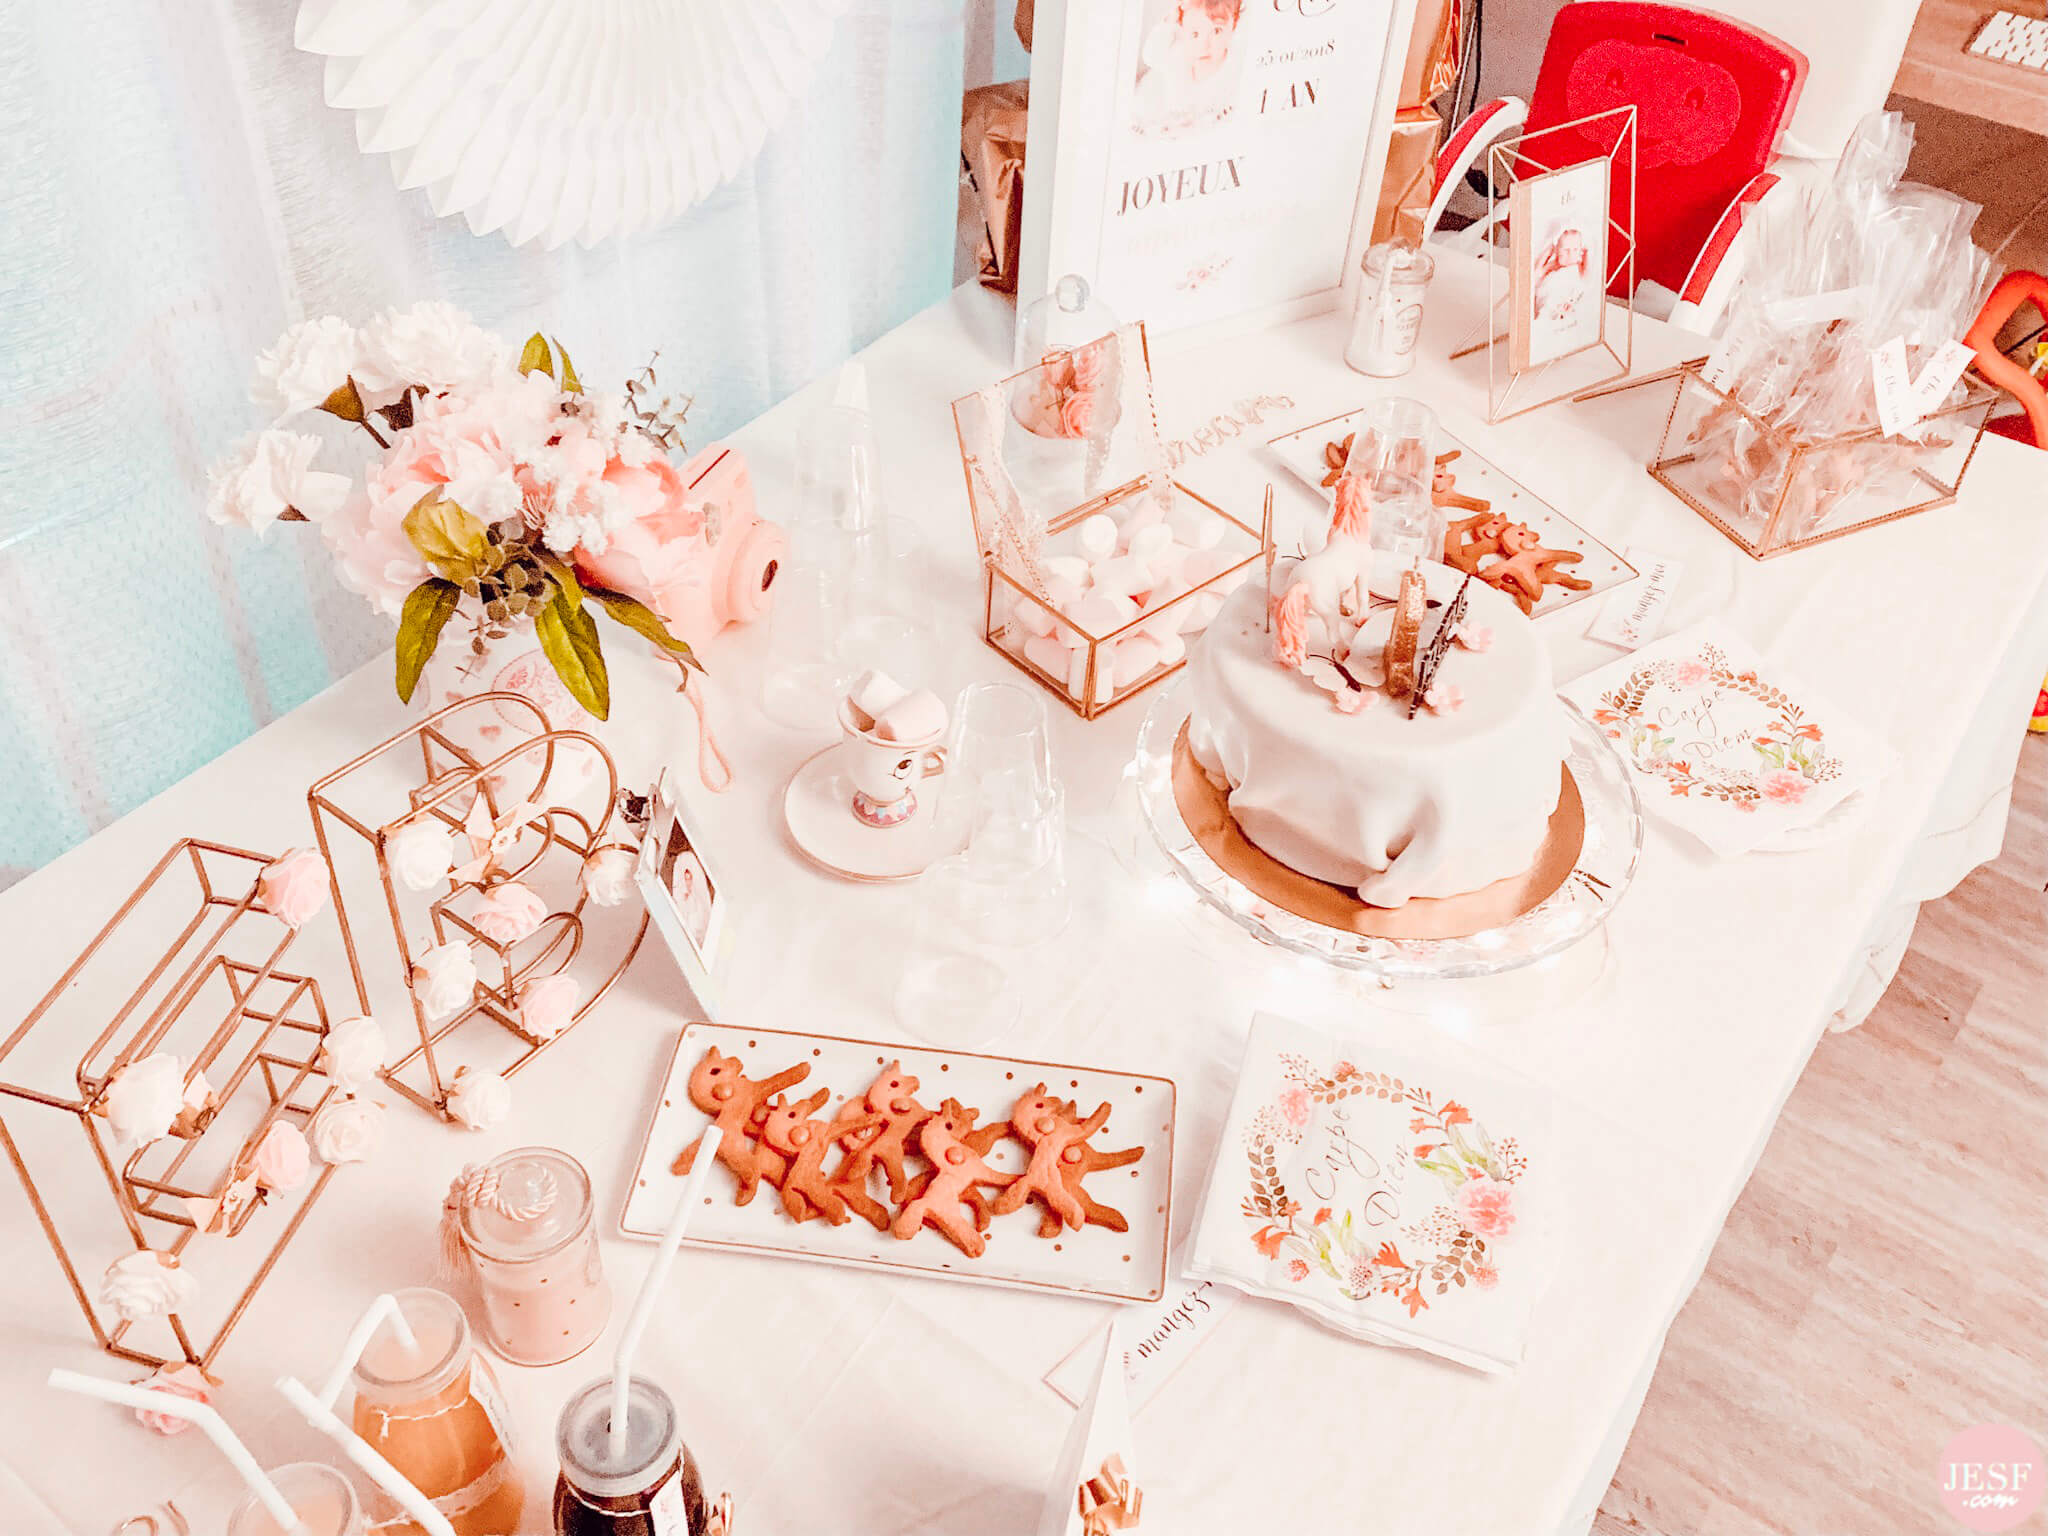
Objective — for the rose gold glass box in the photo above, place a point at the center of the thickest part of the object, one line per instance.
(1099, 568)
(188, 966)
(1772, 492)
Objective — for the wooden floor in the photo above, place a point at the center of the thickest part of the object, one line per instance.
(1881, 1282)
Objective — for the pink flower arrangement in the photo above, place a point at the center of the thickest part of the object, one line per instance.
(500, 491)
(182, 1380)
(1784, 786)
(293, 888)
(1486, 1206)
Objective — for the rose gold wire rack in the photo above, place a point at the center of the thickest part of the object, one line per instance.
(215, 996)
(554, 792)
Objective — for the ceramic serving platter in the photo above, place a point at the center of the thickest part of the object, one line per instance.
(1302, 451)
(1123, 1266)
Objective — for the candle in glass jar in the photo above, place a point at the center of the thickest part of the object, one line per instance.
(531, 1232)
(321, 1497)
(649, 1487)
(432, 1409)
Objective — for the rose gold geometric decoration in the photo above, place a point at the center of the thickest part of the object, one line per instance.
(553, 797)
(215, 998)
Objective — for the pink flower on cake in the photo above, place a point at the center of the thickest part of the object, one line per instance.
(1486, 1206)
(1295, 1106)
(1444, 698)
(1077, 413)
(181, 1380)
(547, 1004)
(294, 888)
(509, 913)
(1476, 638)
(1297, 1270)
(1782, 786)
(279, 1161)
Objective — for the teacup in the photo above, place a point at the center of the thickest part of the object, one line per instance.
(885, 773)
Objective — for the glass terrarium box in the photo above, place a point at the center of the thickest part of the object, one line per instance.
(1099, 569)
(1772, 491)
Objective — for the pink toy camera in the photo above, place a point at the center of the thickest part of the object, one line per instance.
(741, 554)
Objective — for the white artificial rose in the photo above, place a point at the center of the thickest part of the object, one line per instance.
(444, 978)
(421, 854)
(479, 1100)
(353, 1053)
(145, 1098)
(431, 344)
(608, 875)
(144, 1284)
(346, 1130)
(310, 362)
(508, 913)
(271, 473)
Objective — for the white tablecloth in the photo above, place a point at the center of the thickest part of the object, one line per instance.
(837, 1401)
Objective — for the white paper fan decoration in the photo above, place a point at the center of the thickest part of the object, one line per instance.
(556, 120)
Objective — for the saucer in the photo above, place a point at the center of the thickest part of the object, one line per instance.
(818, 810)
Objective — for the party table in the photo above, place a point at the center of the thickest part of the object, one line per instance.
(846, 1401)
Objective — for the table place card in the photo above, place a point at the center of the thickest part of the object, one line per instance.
(1400, 1200)
(1724, 745)
(1633, 614)
(1157, 1341)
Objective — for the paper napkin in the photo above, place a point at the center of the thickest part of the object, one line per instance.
(1393, 1199)
(1096, 1490)
(1725, 746)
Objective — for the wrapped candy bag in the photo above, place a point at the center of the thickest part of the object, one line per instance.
(1823, 404)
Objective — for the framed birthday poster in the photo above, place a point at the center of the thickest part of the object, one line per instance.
(1557, 263)
(1208, 160)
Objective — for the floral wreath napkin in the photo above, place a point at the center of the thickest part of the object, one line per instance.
(1726, 746)
(1393, 1199)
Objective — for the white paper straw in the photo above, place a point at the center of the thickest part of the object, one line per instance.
(359, 1451)
(385, 1306)
(192, 1412)
(657, 1273)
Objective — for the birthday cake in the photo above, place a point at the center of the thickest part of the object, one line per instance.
(1391, 730)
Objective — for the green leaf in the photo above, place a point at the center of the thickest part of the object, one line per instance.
(563, 572)
(642, 620)
(568, 638)
(570, 382)
(536, 358)
(427, 609)
(453, 543)
(344, 402)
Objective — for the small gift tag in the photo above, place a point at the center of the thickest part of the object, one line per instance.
(1905, 400)
(1157, 1341)
(1634, 614)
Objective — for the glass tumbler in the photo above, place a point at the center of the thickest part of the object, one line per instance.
(888, 604)
(1393, 450)
(1000, 745)
(321, 1497)
(534, 1246)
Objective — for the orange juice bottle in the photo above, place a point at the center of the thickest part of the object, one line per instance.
(435, 1413)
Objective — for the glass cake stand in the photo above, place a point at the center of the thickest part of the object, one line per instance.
(1598, 879)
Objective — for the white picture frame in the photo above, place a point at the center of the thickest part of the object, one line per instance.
(1257, 156)
(1557, 259)
(685, 898)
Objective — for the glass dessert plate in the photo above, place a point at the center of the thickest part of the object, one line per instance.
(1576, 907)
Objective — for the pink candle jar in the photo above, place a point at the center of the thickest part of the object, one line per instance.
(530, 1228)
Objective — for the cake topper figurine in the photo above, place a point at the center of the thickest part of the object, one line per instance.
(1329, 586)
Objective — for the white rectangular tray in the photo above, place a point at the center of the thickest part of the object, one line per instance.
(1302, 452)
(1125, 1266)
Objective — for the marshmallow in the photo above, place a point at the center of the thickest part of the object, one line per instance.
(1172, 649)
(874, 694)
(1048, 654)
(1032, 618)
(916, 717)
(1165, 623)
(1147, 543)
(1124, 576)
(1097, 536)
(1099, 613)
(1197, 611)
(1071, 569)
(1145, 515)
(1135, 655)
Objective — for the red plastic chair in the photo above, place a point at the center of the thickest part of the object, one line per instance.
(2013, 290)
(1712, 97)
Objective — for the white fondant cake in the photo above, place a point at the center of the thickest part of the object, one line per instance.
(1437, 805)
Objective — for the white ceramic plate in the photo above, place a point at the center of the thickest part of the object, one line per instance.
(1123, 1266)
(1302, 452)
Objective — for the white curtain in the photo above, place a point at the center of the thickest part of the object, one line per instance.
(176, 192)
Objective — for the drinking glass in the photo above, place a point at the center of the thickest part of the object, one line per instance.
(957, 986)
(321, 1497)
(1393, 450)
(888, 602)
(999, 745)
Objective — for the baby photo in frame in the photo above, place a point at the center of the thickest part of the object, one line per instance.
(685, 899)
(1557, 263)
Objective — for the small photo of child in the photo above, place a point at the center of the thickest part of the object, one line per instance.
(1188, 68)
